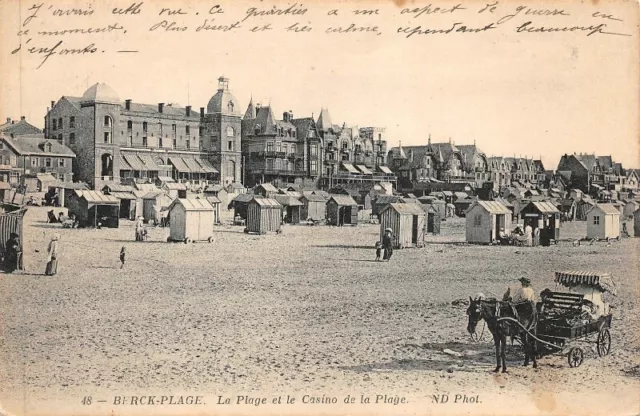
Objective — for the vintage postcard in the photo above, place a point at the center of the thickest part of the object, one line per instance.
(267, 207)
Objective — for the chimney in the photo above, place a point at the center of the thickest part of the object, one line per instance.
(52, 104)
(127, 104)
(8, 119)
(188, 110)
(290, 115)
(285, 117)
(22, 118)
(160, 107)
(201, 113)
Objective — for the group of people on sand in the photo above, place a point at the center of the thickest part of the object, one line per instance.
(13, 257)
(386, 246)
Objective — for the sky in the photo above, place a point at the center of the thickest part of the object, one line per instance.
(522, 94)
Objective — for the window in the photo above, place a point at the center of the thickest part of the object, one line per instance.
(174, 130)
(200, 131)
(285, 147)
(61, 163)
(144, 126)
(129, 125)
(269, 146)
(107, 137)
(345, 145)
(314, 150)
(230, 106)
(596, 220)
(379, 136)
(34, 161)
(187, 143)
(175, 142)
(47, 162)
(60, 123)
(14, 177)
(477, 220)
(72, 122)
(55, 124)
(278, 147)
(230, 132)
(60, 138)
(160, 141)
(270, 164)
(293, 148)
(314, 166)
(108, 121)
(72, 138)
(187, 130)
(144, 141)
(293, 133)
(230, 145)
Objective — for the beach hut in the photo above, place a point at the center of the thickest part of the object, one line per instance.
(341, 210)
(636, 223)
(290, 208)
(127, 199)
(175, 189)
(314, 207)
(11, 222)
(485, 220)
(215, 203)
(322, 193)
(240, 203)
(544, 216)
(263, 215)
(64, 189)
(432, 219)
(217, 191)
(462, 205)
(583, 206)
(265, 190)
(152, 204)
(630, 207)
(407, 223)
(190, 219)
(440, 206)
(381, 202)
(603, 221)
(92, 208)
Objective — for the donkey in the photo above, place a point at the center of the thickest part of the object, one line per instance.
(492, 310)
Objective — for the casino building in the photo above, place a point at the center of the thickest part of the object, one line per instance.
(127, 141)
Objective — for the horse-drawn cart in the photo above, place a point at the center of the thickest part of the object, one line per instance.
(568, 320)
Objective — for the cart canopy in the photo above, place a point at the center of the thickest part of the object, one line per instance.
(601, 281)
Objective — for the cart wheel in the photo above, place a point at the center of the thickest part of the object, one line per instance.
(604, 342)
(618, 238)
(187, 240)
(575, 357)
(210, 239)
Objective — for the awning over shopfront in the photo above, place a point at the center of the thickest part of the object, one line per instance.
(206, 165)
(179, 165)
(193, 165)
(148, 162)
(385, 169)
(350, 168)
(364, 169)
(135, 162)
(123, 163)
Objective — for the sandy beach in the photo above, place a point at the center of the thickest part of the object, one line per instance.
(307, 314)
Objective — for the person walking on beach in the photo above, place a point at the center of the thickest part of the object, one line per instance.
(139, 229)
(387, 244)
(123, 251)
(52, 257)
(13, 253)
(378, 250)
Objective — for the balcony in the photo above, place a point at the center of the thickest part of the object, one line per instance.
(269, 154)
(283, 172)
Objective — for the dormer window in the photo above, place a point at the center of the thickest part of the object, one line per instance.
(47, 147)
(230, 106)
(108, 121)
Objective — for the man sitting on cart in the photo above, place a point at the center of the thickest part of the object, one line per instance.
(525, 292)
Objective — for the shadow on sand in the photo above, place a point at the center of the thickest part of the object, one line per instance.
(475, 358)
(371, 247)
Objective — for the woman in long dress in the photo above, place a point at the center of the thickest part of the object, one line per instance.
(52, 257)
(139, 229)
